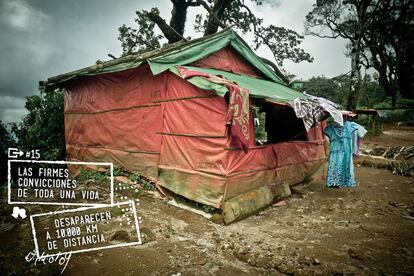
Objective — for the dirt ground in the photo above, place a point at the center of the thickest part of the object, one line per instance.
(320, 231)
(392, 135)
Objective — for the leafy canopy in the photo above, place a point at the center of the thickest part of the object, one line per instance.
(380, 36)
(283, 43)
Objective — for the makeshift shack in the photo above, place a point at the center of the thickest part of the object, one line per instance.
(172, 116)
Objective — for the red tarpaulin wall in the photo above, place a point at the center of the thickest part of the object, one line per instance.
(192, 157)
(116, 117)
(227, 59)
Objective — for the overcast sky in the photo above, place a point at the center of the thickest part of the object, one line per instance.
(43, 38)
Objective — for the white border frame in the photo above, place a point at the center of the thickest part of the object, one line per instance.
(111, 165)
(89, 249)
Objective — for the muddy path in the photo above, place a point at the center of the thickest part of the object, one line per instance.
(319, 231)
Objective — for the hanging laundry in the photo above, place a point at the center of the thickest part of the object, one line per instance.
(237, 119)
(308, 111)
(341, 167)
(312, 110)
(356, 138)
(329, 107)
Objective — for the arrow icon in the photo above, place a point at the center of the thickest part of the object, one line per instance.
(15, 153)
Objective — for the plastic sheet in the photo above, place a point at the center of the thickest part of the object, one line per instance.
(227, 59)
(174, 132)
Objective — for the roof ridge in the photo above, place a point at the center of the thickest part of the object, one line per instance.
(179, 45)
(160, 59)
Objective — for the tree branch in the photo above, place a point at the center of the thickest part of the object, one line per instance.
(322, 36)
(170, 33)
(211, 13)
(215, 14)
(275, 68)
(192, 4)
(251, 15)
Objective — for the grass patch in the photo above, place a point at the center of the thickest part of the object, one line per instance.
(96, 176)
(146, 185)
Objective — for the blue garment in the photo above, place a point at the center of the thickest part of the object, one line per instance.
(356, 138)
(341, 167)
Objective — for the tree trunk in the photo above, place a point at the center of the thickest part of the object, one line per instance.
(405, 72)
(386, 85)
(361, 7)
(218, 12)
(406, 82)
(393, 90)
(170, 34)
(179, 16)
(385, 69)
(355, 75)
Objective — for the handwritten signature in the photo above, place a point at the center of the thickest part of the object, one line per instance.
(62, 258)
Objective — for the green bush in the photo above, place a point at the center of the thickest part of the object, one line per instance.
(398, 115)
(96, 176)
(6, 141)
(43, 127)
(146, 185)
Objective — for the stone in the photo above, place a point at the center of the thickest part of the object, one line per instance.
(120, 235)
(357, 254)
(242, 254)
(217, 218)
(282, 268)
(315, 261)
(147, 235)
(280, 203)
(261, 262)
(123, 179)
(216, 237)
